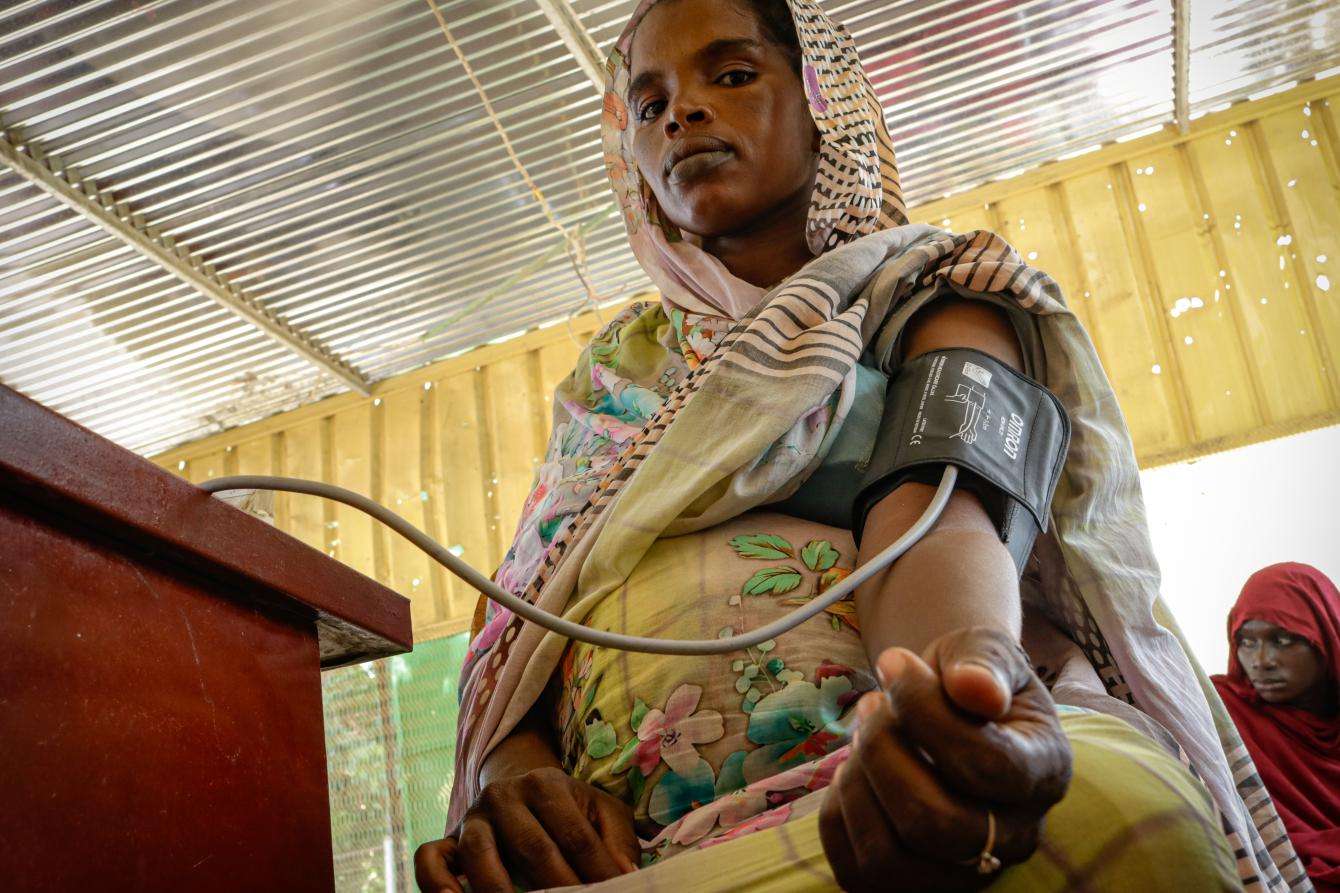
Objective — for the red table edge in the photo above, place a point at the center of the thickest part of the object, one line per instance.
(47, 459)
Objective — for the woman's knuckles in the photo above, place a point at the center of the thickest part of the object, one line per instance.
(1009, 760)
(547, 782)
(497, 797)
(474, 841)
(928, 828)
(432, 861)
(579, 846)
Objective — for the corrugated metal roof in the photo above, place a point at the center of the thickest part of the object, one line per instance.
(95, 330)
(334, 161)
(1241, 48)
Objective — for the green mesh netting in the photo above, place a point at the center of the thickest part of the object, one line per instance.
(390, 745)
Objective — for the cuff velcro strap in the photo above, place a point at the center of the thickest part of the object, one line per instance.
(1006, 433)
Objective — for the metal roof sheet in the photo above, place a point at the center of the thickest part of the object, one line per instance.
(333, 160)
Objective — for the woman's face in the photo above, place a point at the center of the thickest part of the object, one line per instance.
(722, 132)
(1282, 667)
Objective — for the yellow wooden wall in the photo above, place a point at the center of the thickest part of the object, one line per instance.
(451, 447)
(1206, 269)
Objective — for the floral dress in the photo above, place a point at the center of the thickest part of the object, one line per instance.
(712, 747)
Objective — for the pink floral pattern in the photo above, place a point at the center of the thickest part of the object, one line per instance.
(746, 811)
(714, 750)
(671, 734)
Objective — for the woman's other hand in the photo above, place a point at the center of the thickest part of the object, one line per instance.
(968, 729)
(545, 825)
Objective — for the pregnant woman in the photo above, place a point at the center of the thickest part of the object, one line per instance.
(736, 448)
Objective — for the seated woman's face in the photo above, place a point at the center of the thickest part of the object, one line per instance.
(722, 132)
(1282, 667)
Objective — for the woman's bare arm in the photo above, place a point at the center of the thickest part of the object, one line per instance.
(963, 729)
(529, 746)
(960, 574)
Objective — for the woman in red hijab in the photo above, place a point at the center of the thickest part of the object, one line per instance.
(1281, 689)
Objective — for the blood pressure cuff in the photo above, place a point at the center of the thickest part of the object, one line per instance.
(1007, 434)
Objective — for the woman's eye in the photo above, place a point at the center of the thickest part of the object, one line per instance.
(736, 77)
(650, 110)
(1246, 643)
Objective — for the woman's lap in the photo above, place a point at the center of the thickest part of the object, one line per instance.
(1133, 819)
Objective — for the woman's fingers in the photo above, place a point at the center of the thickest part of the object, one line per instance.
(931, 820)
(833, 835)
(432, 867)
(546, 827)
(567, 825)
(865, 846)
(928, 819)
(981, 668)
(533, 851)
(1021, 759)
(614, 823)
(857, 839)
(477, 857)
(869, 832)
(977, 690)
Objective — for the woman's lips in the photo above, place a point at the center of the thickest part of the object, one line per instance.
(698, 164)
(1270, 684)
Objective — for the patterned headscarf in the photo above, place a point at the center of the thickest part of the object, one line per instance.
(856, 191)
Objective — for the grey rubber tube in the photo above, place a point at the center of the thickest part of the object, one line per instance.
(581, 632)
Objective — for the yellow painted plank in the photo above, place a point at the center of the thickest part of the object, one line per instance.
(433, 495)
(556, 362)
(302, 459)
(1077, 284)
(1310, 177)
(202, 468)
(1120, 317)
(962, 220)
(1209, 350)
(351, 538)
(328, 513)
(1035, 226)
(513, 405)
(253, 456)
(540, 416)
(582, 327)
(1081, 166)
(402, 492)
(278, 446)
(1261, 288)
(466, 475)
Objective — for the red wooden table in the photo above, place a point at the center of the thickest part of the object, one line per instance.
(160, 658)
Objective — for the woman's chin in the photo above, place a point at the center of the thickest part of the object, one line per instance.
(711, 207)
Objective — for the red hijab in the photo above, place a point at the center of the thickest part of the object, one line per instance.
(1296, 751)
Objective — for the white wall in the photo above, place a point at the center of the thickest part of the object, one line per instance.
(1217, 520)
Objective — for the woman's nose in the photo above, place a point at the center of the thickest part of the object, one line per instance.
(684, 112)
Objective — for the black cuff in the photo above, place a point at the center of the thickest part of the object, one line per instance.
(1007, 434)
